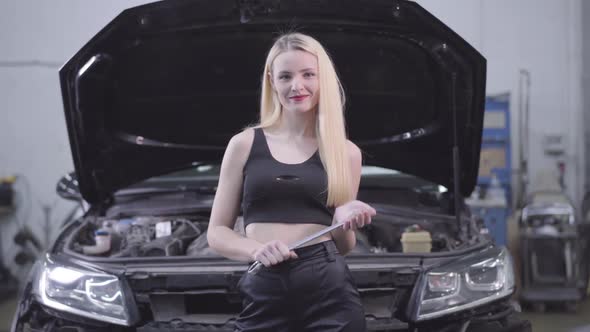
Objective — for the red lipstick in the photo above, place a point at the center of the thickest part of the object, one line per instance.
(298, 98)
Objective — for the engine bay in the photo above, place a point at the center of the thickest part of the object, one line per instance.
(163, 236)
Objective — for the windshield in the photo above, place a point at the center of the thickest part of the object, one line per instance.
(208, 173)
(378, 185)
(195, 187)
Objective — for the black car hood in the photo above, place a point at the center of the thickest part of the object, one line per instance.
(167, 84)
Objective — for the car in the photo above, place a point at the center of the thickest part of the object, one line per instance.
(151, 102)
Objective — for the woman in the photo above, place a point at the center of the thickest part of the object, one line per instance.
(299, 175)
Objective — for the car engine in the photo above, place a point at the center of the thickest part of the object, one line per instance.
(155, 236)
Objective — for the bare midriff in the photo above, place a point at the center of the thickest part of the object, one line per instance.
(286, 233)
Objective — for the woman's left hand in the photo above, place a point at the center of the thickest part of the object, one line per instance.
(354, 215)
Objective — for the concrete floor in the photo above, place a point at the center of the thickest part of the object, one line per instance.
(552, 321)
(561, 321)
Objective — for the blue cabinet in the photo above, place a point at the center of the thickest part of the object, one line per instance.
(495, 218)
(495, 160)
(495, 156)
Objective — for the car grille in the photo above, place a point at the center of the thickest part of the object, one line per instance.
(381, 325)
(216, 310)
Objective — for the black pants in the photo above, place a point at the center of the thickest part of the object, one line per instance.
(314, 292)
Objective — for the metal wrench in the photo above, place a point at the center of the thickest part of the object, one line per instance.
(257, 265)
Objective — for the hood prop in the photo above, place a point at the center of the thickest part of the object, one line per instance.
(456, 160)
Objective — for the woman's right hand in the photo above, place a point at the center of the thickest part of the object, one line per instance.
(272, 253)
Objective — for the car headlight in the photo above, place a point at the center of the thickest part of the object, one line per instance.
(90, 294)
(466, 283)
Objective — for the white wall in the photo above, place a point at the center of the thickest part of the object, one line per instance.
(36, 37)
(543, 37)
(586, 87)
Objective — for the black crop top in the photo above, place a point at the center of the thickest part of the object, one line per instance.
(286, 193)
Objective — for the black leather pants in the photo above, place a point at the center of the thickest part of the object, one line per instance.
(314, 292)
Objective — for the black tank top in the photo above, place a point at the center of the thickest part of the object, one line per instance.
(286, 193)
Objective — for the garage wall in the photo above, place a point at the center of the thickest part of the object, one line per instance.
(586, 88)
(543, 37)
(36, 37)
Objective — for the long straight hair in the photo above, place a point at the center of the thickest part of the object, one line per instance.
(330, 131)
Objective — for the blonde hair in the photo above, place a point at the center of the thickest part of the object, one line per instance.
(330, 129)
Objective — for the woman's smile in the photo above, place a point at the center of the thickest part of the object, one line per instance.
(299, 98)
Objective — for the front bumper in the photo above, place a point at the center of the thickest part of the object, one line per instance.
(389, 283)
(34, 317)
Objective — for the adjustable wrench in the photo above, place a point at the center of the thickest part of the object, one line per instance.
(257, 265)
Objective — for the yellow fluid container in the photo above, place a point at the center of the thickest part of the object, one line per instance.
(416, 241)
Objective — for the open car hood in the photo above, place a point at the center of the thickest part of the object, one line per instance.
(167, 84)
